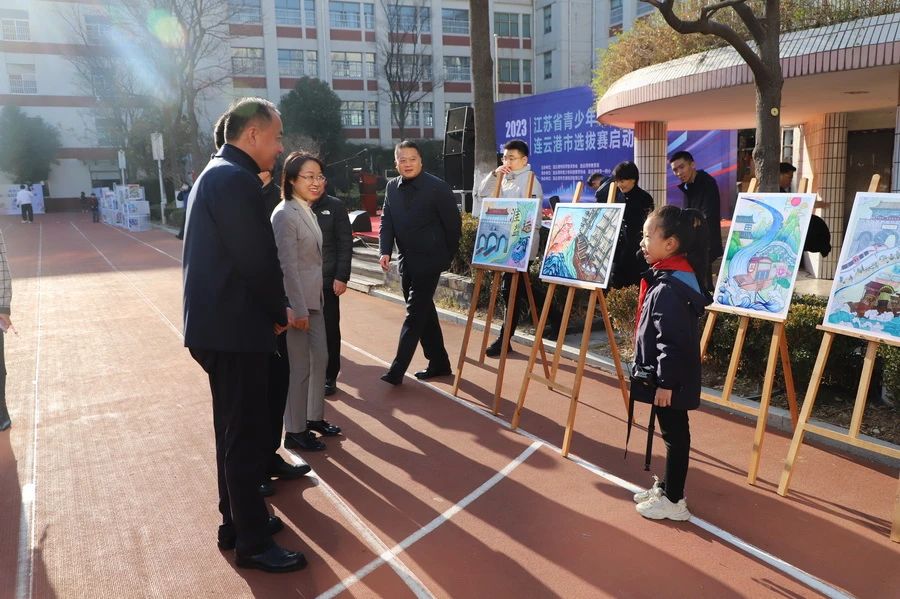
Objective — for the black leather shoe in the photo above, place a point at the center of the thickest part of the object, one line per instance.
(5, 422)
(266, 489)
(430, 373)
(496, 348)
(282, 469)
(227, 537)
(305, 441)
(323, 427)
(330, 386)
(393, 379)
(273, 559)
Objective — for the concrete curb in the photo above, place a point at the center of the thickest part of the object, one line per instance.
(779, 418)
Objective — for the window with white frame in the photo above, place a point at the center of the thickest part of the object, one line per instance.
(615, 12)
(548, 65)
(352, 113)
(97, 29)
(369, 15)
(644, 9)
(102, 81)
(347, 65)
(245, 11)
(372, 110)
(369, 59)
(508, 70)
(309, 12)
(409, 19)
(526, 26)
(14, 25)
(548, 18)
(22, 79)
(506, 24)
(458, 68)
(411, 67)
(248, 61)
(455, 20)
(105, 130)
(526, 71)
(344, 15)
(312, 63)
(290, 63)
(427, 114)
(287, 12)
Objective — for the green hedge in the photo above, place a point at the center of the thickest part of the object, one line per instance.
(807, 311)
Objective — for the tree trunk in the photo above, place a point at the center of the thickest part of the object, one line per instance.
(767, 153)
(483, 83)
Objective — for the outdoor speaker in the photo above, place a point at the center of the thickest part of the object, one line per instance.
(459, 148)
(360, 222)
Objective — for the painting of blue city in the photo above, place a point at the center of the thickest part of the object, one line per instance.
(581, 244)
(506, 229)
(865, 296)
(762, 253)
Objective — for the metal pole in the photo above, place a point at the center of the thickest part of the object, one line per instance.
(162, 193)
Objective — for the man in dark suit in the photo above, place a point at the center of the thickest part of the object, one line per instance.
(234, 305)
(337, 252)
(421, 217)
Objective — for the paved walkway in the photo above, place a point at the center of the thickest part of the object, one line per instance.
(107, 478)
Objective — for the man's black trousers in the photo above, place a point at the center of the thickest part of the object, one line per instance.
(421, 324)
(238, 382)
(331, 311)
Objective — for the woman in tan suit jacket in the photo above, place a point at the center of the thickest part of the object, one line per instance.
(299, 241)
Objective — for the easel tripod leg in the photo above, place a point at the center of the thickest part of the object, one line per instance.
(763, 417)
(579, 374)
(507, 333)
(473, 305)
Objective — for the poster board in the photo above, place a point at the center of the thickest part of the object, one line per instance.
(506, 230)
(9, 204)
(581, 244)
(865, 296)
(762, 254)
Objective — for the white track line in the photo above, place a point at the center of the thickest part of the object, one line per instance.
(764, 556)
(149, 245)
(391, 554)
(415, 585)
(25, 563)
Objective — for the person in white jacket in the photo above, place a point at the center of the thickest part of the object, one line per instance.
(515, 172)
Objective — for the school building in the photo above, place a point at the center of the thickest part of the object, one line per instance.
(840, 113)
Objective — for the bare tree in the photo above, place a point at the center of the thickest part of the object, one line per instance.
(406, 59)
(483, 84)
(761, 53)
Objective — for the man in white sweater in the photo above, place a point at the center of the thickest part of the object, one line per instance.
(515, 172)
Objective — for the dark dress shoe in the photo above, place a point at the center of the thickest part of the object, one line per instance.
(305, 441)
(323, 427)
(496, 348)
(288, 471)
(227, 536)
(391, 378)
(330, 387)
(5, 423)
(430, 373)
(273, 559)
(266, 489)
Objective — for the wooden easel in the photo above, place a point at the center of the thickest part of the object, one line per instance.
(851, 437)
(597, 296)
(498, 272)
(777, 347)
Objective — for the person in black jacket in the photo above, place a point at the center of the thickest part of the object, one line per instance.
(420, 215)
(628, 263)
(701, 192)
(667, 344)
(234, 305)
(337, 251)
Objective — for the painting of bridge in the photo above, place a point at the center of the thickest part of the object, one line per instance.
(763, 253)
(865, 296)
(506, 229)
(581, 244)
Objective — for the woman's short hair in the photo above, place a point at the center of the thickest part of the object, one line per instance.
(293, 164)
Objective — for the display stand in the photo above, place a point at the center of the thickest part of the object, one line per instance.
(851, 437)
(777, 349)
(497, 271)
(572, 392)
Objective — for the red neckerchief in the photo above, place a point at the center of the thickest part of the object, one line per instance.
(677, 262)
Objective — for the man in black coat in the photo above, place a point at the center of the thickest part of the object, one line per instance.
(337, 252)
(420, 215)
(701, 192)
(234, 304)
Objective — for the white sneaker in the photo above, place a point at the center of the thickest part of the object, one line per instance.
(660, 508)
(654, 491)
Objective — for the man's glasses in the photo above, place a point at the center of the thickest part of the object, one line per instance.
(311, 178)
(507, 158)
